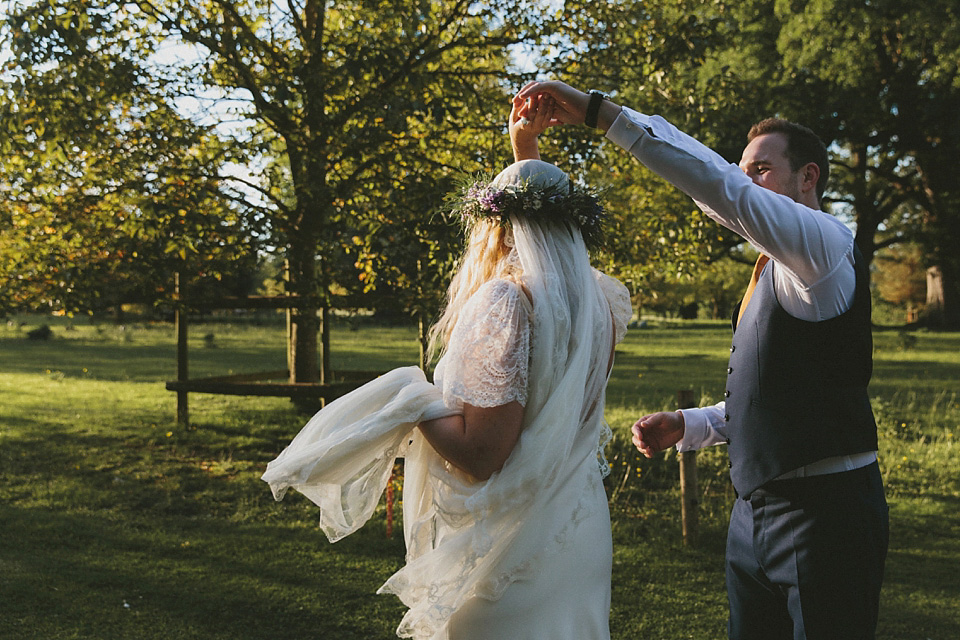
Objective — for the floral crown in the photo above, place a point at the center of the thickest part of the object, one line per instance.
(578, 206)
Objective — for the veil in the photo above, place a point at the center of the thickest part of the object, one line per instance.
(469, 539)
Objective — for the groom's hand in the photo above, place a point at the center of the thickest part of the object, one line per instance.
(570, 104)
(657, 431)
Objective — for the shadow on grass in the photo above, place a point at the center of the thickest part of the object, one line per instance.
(84, 575)
(129, 533)
(653, 381)
(891, 376)
(112, 361)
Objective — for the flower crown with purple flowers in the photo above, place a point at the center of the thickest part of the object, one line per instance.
(570, 204)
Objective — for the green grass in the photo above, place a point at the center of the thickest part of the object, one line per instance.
(116, 523)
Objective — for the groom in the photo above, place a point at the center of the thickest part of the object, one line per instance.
(808, 532)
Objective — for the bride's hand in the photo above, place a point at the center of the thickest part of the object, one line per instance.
(532, 115)
(528, 119)
(655, 432)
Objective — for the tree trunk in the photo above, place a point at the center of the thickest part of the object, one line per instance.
(303, 345)
(942, 310)
(934, 295)
(305, 322)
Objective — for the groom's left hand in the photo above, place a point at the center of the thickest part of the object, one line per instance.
(655, 432)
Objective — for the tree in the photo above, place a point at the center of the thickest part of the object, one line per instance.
(107, 190)
(336, 107)
(877, 80)
(898, 69)
(900, 278)
(356, 97)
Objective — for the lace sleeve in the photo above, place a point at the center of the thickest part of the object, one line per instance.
(619, 298)
(488, 353)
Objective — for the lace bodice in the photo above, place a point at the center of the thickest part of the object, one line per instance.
(487, 359)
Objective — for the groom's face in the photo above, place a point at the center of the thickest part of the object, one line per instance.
(765, 161)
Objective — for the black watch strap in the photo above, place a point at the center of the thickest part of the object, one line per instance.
(593, 108)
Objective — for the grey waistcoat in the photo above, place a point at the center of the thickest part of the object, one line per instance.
(797, 390)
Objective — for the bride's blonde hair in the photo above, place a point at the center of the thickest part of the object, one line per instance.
(531, 193)
(484, 258)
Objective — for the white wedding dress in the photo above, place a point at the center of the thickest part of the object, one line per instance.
(558, 565)
(526, 554)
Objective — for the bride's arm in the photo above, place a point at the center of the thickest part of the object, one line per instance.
(484, 371)
(528, 119)
(478, 442)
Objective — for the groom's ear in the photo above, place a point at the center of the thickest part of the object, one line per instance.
(811, 175)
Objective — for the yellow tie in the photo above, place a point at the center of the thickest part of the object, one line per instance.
(757, 270)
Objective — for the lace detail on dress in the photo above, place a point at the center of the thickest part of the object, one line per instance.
(606, 435)
(486, 364)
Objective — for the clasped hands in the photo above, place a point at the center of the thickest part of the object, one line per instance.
(538, 106)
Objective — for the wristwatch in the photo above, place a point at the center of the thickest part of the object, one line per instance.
(593, 108)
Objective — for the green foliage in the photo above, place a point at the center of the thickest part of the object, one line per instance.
(107, 190)
(358, 107)
(877, 80)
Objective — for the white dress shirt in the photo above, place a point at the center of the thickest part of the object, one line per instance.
(811, 251)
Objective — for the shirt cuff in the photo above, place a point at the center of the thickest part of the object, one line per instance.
(696, 430)
(627, 128)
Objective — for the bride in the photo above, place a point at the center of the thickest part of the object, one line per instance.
(504, 512)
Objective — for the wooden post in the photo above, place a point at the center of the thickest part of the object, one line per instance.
(288, 312)
(689, 491)
(180, 322)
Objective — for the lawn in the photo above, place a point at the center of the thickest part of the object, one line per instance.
(116, 523)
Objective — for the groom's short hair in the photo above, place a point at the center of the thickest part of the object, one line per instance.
(803, 147)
